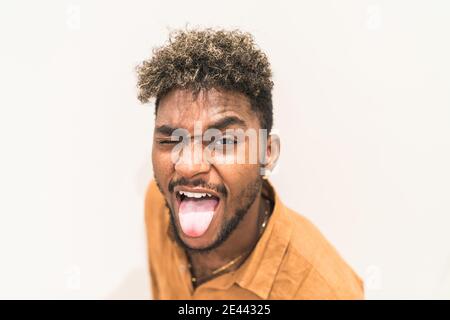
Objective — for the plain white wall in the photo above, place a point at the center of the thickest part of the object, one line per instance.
(362, 103)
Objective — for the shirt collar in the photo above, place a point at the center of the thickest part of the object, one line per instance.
(258, 273)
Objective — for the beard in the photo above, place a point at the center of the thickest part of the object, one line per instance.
(247, 198)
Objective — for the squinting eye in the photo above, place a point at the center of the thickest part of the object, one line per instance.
(167, 142)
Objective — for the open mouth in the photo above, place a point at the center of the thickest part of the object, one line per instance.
(196, 210)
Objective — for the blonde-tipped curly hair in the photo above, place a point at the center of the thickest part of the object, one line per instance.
(209, 58)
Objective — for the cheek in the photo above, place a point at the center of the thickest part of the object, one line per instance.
(237, 177)
(162, 165)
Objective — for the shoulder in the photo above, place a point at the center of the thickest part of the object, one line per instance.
(155, 211)
(321, 272)
(154, 200)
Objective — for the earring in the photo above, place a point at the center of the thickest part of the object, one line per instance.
(266, 174)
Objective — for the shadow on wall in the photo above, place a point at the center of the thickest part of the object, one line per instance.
(135, 286)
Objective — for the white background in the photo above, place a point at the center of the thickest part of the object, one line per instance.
(362, 103)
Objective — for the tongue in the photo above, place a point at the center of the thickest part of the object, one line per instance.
(196, 215)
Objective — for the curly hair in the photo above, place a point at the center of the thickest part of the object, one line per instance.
(205, 59)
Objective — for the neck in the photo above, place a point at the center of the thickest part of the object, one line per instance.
(241, 241)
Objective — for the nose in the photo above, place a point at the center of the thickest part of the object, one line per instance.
(191, 161)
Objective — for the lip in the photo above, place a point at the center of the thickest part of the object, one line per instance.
(195, 189)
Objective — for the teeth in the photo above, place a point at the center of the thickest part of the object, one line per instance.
(196, 195)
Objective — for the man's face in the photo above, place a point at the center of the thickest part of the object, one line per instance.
(230, 187)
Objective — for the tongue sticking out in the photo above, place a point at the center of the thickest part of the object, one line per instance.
(196, 215)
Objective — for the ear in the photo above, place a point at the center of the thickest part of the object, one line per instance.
(271, 155)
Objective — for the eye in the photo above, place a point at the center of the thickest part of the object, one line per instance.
(172, 140)
(226, 140)
(167, 142)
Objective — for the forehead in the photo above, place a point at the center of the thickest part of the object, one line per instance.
(181, 109)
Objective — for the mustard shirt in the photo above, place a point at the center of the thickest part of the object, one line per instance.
(292, 260)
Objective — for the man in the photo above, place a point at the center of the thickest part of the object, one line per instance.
(215, 225)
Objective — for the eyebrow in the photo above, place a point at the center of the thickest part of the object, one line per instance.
(226, 122)
(165, 130)
(219, 125)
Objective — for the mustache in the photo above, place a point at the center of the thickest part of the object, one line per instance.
(219, 188)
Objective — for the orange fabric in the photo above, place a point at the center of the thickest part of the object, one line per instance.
(291, 260)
